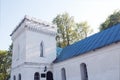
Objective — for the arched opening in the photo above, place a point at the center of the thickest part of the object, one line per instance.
(63, 73)
(14, 77)
(49, 75)
(19, 77)
(36, 76)
(41, 49)
(84, 73)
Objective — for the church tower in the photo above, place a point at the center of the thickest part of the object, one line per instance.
(34, 49)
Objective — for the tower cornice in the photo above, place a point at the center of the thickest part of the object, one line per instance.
(33, 22)
(40, 30)
(35, 25)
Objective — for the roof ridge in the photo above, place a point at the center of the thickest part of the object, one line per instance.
(34, 20)
(38, 20)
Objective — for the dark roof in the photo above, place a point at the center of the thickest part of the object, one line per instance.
(93, 42)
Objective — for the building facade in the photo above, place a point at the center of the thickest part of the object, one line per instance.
(34, 54)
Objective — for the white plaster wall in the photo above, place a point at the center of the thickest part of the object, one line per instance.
(33, 41)
(29, 51)
(18, 56)
(102, 64)
(27, 71)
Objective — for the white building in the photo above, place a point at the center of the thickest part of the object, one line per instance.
(34, 54)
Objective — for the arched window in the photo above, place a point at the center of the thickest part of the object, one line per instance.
(41, 49)
(84, 73)
(36, 76)
(14, 77)
(18, 52)
(19, 77)
(63, 73)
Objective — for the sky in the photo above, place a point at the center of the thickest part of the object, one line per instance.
(13, 11)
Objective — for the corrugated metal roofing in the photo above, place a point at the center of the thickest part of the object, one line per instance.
(93, 42)
(58, 51)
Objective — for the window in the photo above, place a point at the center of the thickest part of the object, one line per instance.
(41, 49)
(63, 73)
(14, 77)
(19, 77)
(84, 74)
(43, 75)
(18, 52)
(36, 76)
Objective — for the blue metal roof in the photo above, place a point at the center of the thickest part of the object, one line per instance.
(58, 51)
(93, 42)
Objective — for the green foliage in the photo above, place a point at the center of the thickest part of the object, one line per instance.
(64, 24)
(83, 30)
(5, 63)
(68, 31)
(113, 19)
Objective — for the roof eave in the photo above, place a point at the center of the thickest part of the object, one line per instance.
(17, 26)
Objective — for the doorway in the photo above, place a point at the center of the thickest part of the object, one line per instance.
(49, 75)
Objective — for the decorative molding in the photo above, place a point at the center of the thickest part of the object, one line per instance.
(32, 64)
(40, 22)
(36, 22)
(40, 30)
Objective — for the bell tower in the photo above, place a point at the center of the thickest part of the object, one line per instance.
(34, 49)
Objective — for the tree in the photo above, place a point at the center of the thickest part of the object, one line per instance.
(68, 31)
(5, 63)
(64, 28)
(112, 20)
(83, 30)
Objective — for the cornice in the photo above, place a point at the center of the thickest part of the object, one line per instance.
(31, 20)
(41, 30)
(38, 21)
(32, 64)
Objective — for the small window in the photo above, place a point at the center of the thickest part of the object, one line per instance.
(84, 74)
(14, 77)
(19, 77)
(43, 75)
(36, 76)
(63, 73)
(41, 49)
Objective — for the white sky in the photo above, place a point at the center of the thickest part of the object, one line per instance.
(12, 11)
